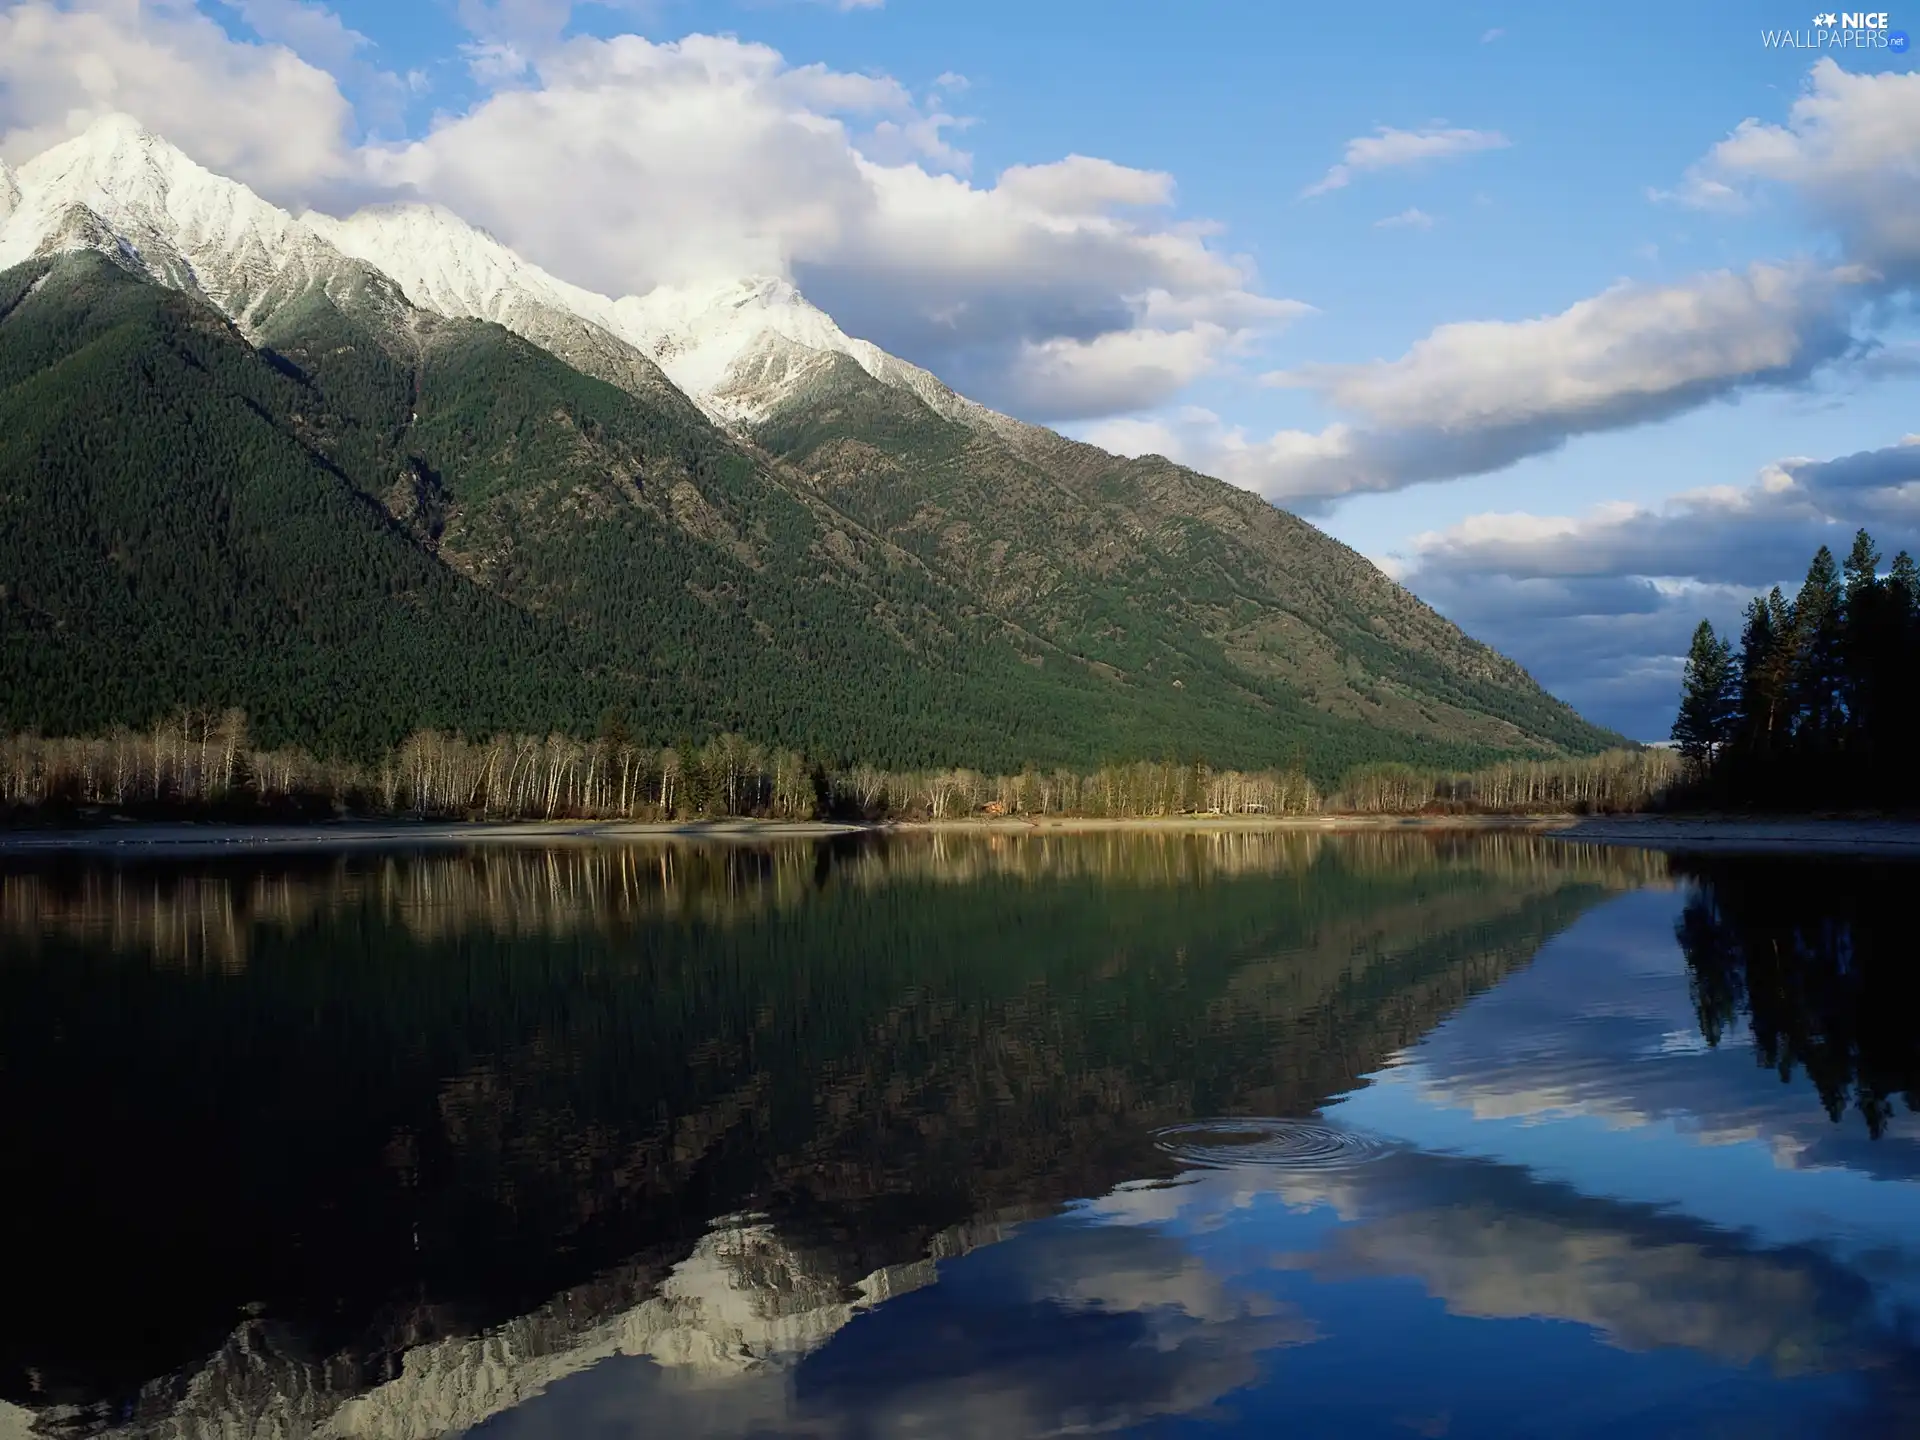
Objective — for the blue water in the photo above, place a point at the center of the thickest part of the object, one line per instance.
(1591, 1188)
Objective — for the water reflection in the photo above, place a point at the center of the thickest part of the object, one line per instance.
(736, 1140)
(1819, 963)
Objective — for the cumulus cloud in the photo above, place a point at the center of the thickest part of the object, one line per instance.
(1388, 148)
(1623, 354)
(1849, 152)
(1067, 378)
(63, 66)
(1600, 606)
(1476, 396)
(1062, 289)
(311, 31)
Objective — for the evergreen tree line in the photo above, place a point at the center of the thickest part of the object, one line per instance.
(203, 762)
(1817, 705)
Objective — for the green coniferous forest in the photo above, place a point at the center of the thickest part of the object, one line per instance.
(367, 521)
(1815, 705)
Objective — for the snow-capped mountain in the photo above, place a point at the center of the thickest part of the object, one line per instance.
(447, 267)
(129, 194)
(743, 346)
(737, 349)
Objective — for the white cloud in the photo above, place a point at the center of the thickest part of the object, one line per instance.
(311, 31)
(1295, 467)
(1120, 370)
(1849, 153)
(1408, 219)
(1079, 185)
(1476, 396)
(1388, 148)
(257, 112)
(1061, 289)
(319, 36)
(1630, 351)
(1487, 37)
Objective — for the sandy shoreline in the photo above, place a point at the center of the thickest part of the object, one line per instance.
(185, 838)
(1698, 835)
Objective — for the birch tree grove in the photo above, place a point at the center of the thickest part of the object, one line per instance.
(203, 762)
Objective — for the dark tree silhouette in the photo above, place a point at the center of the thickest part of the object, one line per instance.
(1819, 968)
(1707, 698)
(1822, 697)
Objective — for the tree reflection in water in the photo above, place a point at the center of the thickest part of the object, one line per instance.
(1819, 960)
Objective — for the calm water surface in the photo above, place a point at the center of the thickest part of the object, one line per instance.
(962, 1136)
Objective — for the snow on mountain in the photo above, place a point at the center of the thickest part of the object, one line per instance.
(127, 193)
(447, 267)
(738, 349)
(743, 346)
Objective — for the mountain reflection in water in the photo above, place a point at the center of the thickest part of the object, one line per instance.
(920, 1137)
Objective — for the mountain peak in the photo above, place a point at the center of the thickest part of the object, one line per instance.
(9, 192)
(736, 346)
(115, 127)
(118, 129)
(155, 209)
(425, 219)
(450, 266)
(116, 154)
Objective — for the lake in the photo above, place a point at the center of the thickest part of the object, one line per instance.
(1250, 1133)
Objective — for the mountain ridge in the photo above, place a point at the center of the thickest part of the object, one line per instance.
(754, 486)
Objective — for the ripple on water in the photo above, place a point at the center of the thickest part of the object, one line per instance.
(1270, 1144)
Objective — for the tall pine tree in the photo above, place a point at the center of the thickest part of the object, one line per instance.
(1764, 674)
(1818, 616)
(1871, 639)
(1707, 698)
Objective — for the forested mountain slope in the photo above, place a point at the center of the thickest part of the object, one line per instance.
(243, 465)
(351, 545)
(1160, 574)
(167, 539)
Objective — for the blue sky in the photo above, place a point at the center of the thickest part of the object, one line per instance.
(1216, 289)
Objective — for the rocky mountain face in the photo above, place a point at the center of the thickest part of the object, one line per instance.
(720, 509)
